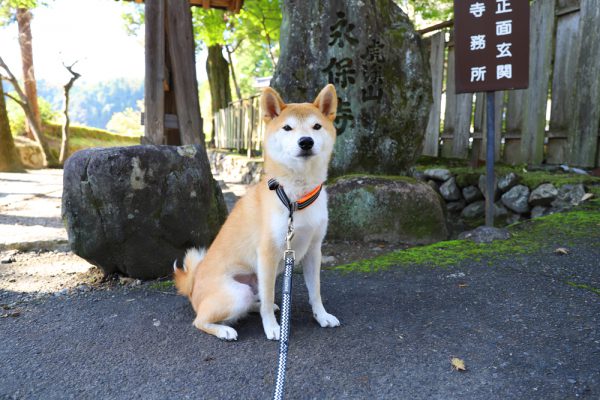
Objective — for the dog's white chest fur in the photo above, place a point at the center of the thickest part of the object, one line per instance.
(310, 226)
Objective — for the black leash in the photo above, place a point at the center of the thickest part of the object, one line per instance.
(286, 303)
(289, 257)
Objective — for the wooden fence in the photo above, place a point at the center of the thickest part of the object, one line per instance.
(240, 126)
(556, 120)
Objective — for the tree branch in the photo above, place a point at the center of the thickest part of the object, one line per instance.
(13, 98)
(14, 82)
(36, 129)
(74, 75)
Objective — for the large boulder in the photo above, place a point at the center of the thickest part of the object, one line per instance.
(370, 51)
(394, 210)
(133, 210)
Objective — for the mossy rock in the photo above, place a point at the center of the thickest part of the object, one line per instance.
(389, 209)
(370, 51)
(133, 210)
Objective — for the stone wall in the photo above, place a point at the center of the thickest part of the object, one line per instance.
(464, 196)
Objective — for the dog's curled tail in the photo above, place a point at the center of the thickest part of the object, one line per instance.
(184, 278)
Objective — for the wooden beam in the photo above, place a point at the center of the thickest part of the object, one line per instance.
(171, 121)
(230, 5)
(154, 129)
(436, 27)
(185, 84)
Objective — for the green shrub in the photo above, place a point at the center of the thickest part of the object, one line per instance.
(16, 115)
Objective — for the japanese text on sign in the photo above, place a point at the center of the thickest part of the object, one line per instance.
(491, 39)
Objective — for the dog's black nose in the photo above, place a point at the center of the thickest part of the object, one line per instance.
(306, 143)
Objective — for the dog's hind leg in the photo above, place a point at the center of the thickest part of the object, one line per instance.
(226, 305)
(221, 331)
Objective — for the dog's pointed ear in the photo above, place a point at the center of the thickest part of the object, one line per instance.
(327, 101)
(271, 104)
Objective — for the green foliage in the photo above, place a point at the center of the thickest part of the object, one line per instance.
(209, 26)
(16, 115)
(427, 12)
(94, 104)
(134, 18)
(8, 9)
(433, 9)
(252, 36)
(127, 122)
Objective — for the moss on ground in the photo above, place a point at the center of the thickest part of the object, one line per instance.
(162, 285)
(470, 176)
(584, 286)
(388, 177)
(528, 236)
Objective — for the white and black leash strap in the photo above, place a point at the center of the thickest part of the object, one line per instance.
(286, 301)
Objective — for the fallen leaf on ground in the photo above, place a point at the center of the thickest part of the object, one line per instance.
(561, 251)
(587, 196)
(458, 364)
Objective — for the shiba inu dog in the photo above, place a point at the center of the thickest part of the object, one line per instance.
(237, 274)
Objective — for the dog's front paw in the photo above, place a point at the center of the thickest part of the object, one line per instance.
(327, 320)
(271, 330)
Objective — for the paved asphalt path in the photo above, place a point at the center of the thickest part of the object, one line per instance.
(521, 330)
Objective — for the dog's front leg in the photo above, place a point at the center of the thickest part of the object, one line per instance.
(267, 273)
(311, 265)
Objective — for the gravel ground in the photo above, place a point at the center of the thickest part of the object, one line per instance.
(526, 327)
(521, 330)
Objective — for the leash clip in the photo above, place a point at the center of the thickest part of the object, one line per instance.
(290, 235)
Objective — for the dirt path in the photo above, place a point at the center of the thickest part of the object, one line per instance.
(30, 220)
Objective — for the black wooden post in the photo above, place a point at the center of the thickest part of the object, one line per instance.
(490, 181)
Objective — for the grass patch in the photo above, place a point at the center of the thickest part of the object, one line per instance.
(528, 236)
(82, 137)
(77, 131)
(162, 285)
(584, 286)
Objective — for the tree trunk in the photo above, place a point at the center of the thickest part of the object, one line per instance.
(25, 41)
(217, 70)
(9, 156)
(238, 92)
(47, 157)
(64, 145)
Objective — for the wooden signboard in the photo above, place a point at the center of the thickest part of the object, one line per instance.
(491, 40)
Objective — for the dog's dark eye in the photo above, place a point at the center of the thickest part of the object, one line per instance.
(287, 128)
(316, 127)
